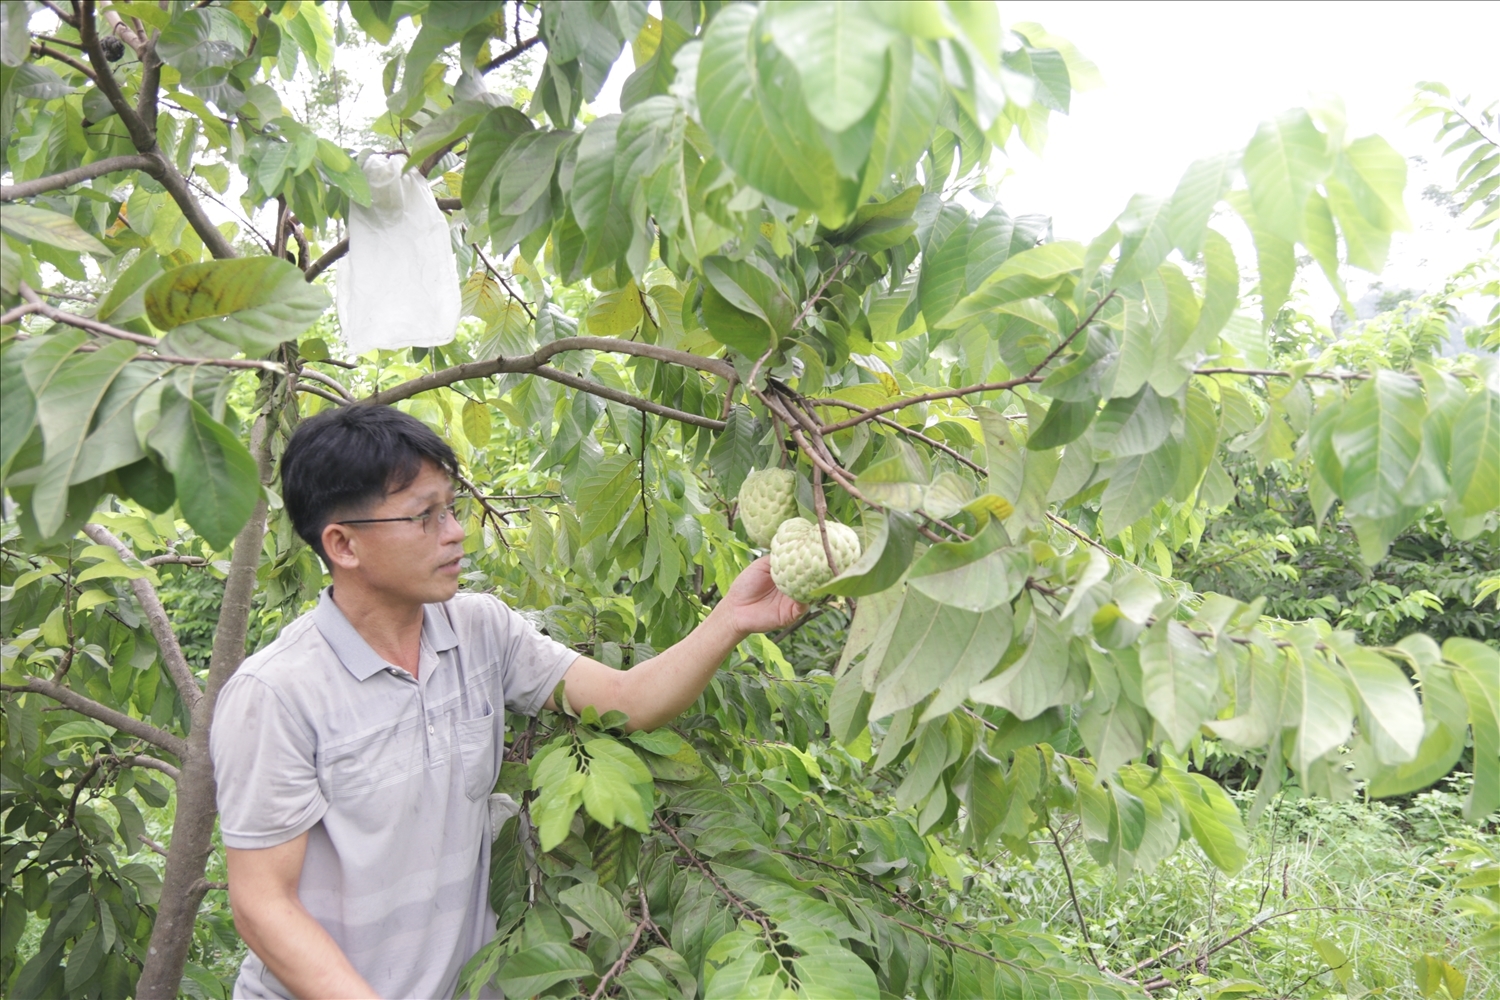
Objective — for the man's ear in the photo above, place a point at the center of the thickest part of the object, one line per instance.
(341, 545)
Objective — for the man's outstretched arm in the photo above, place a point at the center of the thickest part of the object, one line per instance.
(658, 690)
(272, 920)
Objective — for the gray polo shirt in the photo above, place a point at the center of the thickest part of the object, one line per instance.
(389, 776)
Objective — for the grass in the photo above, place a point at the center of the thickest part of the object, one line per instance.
(1339, 900)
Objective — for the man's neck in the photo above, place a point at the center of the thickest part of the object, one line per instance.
(393, 630)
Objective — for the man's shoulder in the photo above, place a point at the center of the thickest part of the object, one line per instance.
(287, 657)
(471, 611)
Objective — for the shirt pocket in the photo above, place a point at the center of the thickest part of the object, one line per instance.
(476, 753)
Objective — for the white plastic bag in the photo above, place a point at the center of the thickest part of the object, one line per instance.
(398, 285)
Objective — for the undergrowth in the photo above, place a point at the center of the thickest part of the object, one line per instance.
(1336, 899)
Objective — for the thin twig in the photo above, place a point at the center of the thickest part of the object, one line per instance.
(624, 959)
(72, 700)
(174, 662)
(509, 54)
(1083, 925)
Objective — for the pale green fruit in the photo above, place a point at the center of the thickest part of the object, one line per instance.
(799, 565)
(767, 498)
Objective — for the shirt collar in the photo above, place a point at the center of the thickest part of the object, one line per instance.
(355, 653)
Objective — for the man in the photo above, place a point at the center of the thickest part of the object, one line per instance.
(356, 754)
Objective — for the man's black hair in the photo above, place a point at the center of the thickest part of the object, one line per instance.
(343, 460)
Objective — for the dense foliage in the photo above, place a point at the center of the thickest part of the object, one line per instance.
(780, 253)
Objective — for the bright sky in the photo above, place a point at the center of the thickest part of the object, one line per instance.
(1186, 80)
(1183, 81)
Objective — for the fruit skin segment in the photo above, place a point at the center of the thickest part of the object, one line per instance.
(799, 565)
(767, 498)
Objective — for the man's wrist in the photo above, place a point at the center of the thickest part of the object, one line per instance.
(723, 623)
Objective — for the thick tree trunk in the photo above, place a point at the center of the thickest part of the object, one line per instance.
(193, 827)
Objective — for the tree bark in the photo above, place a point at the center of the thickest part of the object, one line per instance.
(53, 182)
(193, 827)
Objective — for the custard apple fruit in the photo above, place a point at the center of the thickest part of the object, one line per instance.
(767, 498)
(799, 565)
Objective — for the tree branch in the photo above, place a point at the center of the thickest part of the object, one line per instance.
(141, 134)
(928, 397)
(40, 50)
(624, 959)
(1273, 373)
(35, 305)
(53, 182)
(167, 176)
(509, 54)
(532, 362)
(645, 405)
(327, 260)
(1083, 926)
(175, 664)
(155, 764)
(948, 450)
(76, 702)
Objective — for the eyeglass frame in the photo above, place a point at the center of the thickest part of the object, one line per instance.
(450, 509)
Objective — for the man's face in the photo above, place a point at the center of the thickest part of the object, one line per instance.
(407, 561)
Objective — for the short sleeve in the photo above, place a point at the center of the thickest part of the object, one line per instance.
(531, 663)
(264, 766)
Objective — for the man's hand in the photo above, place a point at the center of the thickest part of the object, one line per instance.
(755, 605)
(655, 692)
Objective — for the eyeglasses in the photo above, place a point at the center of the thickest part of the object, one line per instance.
(432, 519)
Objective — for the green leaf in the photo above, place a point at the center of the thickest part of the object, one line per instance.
(476, 423)
(1445, 730)
(599, 909)
(935, 642)
(607, 495)
(17, 400)
(1286, 159)
(15, 39)
(531, 970)
(28, 222)
(897, 482)
(736, 125)
(216, 477)
(884, 559)
(253, 303)
(1275, 258)
(114, 442)
(745, 306)
(1136, 484)
(1115, 734)
(1134, 425)
(1378, 437)
(1375, 174)
(1214, 819)
(945, 262)
(1037, 680)
(1221, 287)
(839, 53)
(1476, 676)
(1179, 680)
(976, 575)
(834, 972)
(1066, 419)
(1390, 705)
(1032, 272)
(1144, 238)
(1200, 189)
(1322, 712)
(880, 225)
(65, 410)
(1476, 453)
